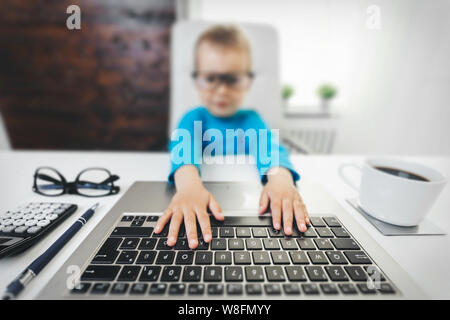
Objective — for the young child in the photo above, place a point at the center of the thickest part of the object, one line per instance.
(222, 77)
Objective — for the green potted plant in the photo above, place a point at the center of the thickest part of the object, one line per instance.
(326, 92)
(287, 91)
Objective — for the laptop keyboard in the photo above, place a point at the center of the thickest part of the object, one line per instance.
(246, 257)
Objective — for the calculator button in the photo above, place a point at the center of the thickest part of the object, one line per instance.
(47, 211)
(19, 222)
(28, 216)
(21, 229)
(43, 223)
(65, 206)
(17, 215)
(51, 216)
(7, 222)
(36, 211)
(8, 229)
(34, 229)
(59, 211)
(31, 222)
(40, 216)
(8, 214)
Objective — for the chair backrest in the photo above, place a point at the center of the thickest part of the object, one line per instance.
(265, 93)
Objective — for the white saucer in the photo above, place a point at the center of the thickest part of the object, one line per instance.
(426, 227)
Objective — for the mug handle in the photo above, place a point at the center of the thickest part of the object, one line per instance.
(348, 181)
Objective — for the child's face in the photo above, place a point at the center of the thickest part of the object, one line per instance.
(223, 78)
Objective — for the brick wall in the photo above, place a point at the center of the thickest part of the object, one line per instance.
(103, 87)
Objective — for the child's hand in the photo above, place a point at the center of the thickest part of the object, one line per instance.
(284, 201)
(189, 203)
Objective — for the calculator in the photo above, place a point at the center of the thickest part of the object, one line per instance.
(26, 225)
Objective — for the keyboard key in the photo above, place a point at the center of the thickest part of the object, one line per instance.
(347, 288)
(100, 273)
(306, 244)
(323, 244)
(203, 258)
(253, 244)
(275, 273)
(147, 244)
(274, 233)
(235, 244)
(182, 244)
(139, 288)
(365, 289)
(310, 288)
(226, 232)
(316, 273)
(261, 257)
(295, 273)
(253, 289)
(357, 257)
(171, 274)
(259, 232)
(234, 289)
(165, 257)
(219, 244)
(271, 244)
(374, 273)
(215, 232)
(192, 274)
(336, 273)
(291, 289)
(222, 257)
(254, 274)
(298, 257)
(100, 288)
(340, 232)
(345, 244)
(129, 273)
(132, 232)
(317, 222)
(150, 273)
(127, 257)
(152, 218)
(196, 289)
(163, 233)
(332, 222)
(386, 288)
(158, 288)
(280, 257)
(317, 257)
(324, 233)
(215, 289)
(329, 288)
(129, 243)
(288, 244)
(202, 245)
(162, 245)
(81, 288)
(242, 258)
(356, 273)
(127, 218)
(177, 288)
(185, 257)
(119, 288)
(146, 257)
(336, 257)
(108, 252)
(137, 223)
(212, 274)
(309, 233)
(233, 274)
(272, 289)
(243, 232)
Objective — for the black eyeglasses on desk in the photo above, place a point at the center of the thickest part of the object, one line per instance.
(91, 182)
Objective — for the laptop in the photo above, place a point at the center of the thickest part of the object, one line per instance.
(247, 259)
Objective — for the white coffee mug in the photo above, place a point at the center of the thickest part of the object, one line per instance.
(395, 199)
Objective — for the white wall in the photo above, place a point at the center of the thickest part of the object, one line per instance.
(394, 83)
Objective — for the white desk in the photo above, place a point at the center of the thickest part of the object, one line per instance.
(425, 258)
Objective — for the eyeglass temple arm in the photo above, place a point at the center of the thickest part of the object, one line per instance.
(48, 178)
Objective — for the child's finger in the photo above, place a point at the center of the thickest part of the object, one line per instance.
(175, 222)
(263, 202)
(287, 216)
(299, 215)
(205, 225)
(275, 207)
(215, 208)
(163, 220)
(191, 228)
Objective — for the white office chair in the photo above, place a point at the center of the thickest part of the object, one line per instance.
(265, 94)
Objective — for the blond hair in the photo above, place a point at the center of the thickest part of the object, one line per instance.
(225, 36)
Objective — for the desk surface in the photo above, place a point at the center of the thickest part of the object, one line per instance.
(425, 258)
